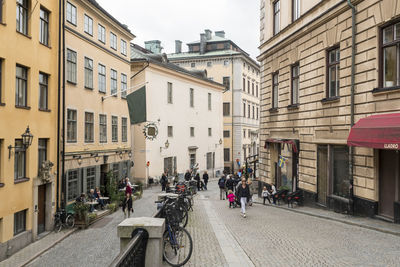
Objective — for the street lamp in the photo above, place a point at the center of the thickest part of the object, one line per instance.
(166, 145)
(27, 138)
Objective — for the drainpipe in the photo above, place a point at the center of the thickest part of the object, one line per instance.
(63, 111)
(233, 116)
(58, 106)
(353, 54)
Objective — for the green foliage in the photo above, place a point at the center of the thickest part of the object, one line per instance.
(140, 188)
(283, 187)
(112, 187)
(92, 216)
(112, 207)
(81, 209)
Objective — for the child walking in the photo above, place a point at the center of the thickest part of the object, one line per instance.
(231, 198)
(266, 195)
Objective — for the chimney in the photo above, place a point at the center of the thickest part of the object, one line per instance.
(154, 46)
(203, 43)
(208, 34)
(178, 46)
(220, 34)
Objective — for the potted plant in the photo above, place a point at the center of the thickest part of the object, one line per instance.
(81, 211)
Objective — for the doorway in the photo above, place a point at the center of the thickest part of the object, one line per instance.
(41, 209)
(322, 174)
(388, 174)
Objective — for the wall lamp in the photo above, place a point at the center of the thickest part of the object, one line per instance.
(27, 138)
(130, 154)
(96, 156)
(166, 145)
(78, 157)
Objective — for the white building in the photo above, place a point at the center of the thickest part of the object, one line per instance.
(186, 109)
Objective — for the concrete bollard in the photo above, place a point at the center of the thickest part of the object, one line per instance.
(154, 226)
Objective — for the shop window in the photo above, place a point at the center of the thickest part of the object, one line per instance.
(115, 169)
(340, 170)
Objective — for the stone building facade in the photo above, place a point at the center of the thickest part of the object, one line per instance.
(311, 102)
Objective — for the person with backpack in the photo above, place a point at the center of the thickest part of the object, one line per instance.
(221, 184)
(230, 183)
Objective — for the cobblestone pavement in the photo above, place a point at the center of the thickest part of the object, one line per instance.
(97, 245)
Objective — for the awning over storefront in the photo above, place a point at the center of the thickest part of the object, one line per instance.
(376, 131)
(282, 141)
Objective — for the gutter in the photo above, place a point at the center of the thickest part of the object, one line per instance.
(58, 105)
(63, 183)
(353, 53)
(233, 116)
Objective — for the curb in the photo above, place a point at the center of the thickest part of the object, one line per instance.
(334, 219)
(49, 247)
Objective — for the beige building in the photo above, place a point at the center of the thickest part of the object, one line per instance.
(320, 90)
(97, 69)
(185, 108)
(227, 63)
(28, 101)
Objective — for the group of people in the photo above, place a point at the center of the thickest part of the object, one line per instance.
(268, 193)
(201, 185)
(127, 203)
(93, 196)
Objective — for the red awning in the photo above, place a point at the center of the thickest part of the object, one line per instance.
(376, 131)
(282, 141)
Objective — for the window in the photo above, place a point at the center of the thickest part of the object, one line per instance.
(191, 97)
(209, 162)
(390, 51)
(21, 84)
(71, 13)
(42, 152)
(257, 90)
(340, 170)
(192, 64)
(44, 27)
(103, 128)
(170, 131)
(253, 112)
(43, 91)
(19, 160)
(101, 33)
(248, 111)
(192, 159)
(226, 109)
(257, 114)
(191, 131)
(114, 88)
(209, 64)
(169, 93)
(124, 85)
(295, 9)
(277, 9)
(209, 101)
(88, 25)
(123, 47)
(209, 132)
(248, 86)
(227, 154)
(102, 78)
(19, 222)
(1, 76)
(333, 72)
(89, 129)
(71, 66)
(244, 84)
(22, 16)
(226, 82)
(1, 20)
(88, 73)
(295, 84)
(113, 41)
(114, 128)
(244, 133)
(124, 129)
(72, 185)
(227, 134)
(252, 88)
(226, 62)
(90, 178)
(244, 110)
(115, 169)
(249, 135)
(71, 125)
(275, 85)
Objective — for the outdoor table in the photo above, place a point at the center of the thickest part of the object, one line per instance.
(91, 203)
(105, 199)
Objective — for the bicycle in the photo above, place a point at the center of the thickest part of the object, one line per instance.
(63, 219)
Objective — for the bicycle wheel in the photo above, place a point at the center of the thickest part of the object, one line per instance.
(70, 221)
(57, 225)
(178, 246)
(184, 219)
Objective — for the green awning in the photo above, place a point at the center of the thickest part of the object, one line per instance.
(137, 105)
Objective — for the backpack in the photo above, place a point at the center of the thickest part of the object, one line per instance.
(221, 182)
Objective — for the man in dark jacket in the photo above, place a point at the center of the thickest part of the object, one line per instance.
(221, 184)
(163, 181)
(197, 178)
(205, 179)
(243, 193)
(187, 175)
(230, 183)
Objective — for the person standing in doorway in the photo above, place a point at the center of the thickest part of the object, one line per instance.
(205, 179)
(243, 194)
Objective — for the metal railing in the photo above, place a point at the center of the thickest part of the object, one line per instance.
(135, 252)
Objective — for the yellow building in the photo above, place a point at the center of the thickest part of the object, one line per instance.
(28, 97)
(97, 69)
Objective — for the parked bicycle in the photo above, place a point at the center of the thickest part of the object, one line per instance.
(63, 219)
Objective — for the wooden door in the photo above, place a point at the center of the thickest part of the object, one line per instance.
(388, 162)
(322, 174)
(41, 208)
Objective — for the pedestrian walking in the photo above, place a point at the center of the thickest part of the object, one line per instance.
(205, 179)
(187, 175)
(127, 205)
(231, 198)
(266, 195)
(197, 178)
(250, 200)
(163, 181)
(230, 183)
(221, 184)
(273, 193)
(243, 194)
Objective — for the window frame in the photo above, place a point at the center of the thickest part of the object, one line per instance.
(72, 122)
(226, 109)
(88, 72)
(191, 131)
(72, 180)
(169, 93)
(24, 84)
(114, 129)
(42, 150)
(226, 134)
(123, 47)
(295, 10)
(72, 19)
(226, 81)
(102, 78)
(101, 33)
(88, 24)
(329, 65)
(89, 127)
(44, 86)
(103, 128)
(191, 97)
(170, 131)
(395, 42)
(209, 101)
(275, 91)
(276, 17)
(44, 27)
(124, 129)
(124, 85)
(72, 75)
(22, 27)
(19, 150)
(294, 79)
(113, 41)
(19, 222)
(114, 83)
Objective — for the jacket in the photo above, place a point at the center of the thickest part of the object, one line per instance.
(127, 203)
(221, 182)
(243, 192)
(187, 176)
(205, 177)
(230, 184)
(231, 197)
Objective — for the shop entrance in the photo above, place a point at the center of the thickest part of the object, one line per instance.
(322, 175)
(41, 208)
(388, 174)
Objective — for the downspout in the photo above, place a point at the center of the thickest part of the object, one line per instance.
(233, 116)
(353, 54)
(63, 111)
(58, 106)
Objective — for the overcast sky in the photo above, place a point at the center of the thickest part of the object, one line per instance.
(170, 20)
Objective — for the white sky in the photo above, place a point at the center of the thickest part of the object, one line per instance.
(170, 20)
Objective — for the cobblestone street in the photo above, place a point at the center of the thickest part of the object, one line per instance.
(269, 236)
